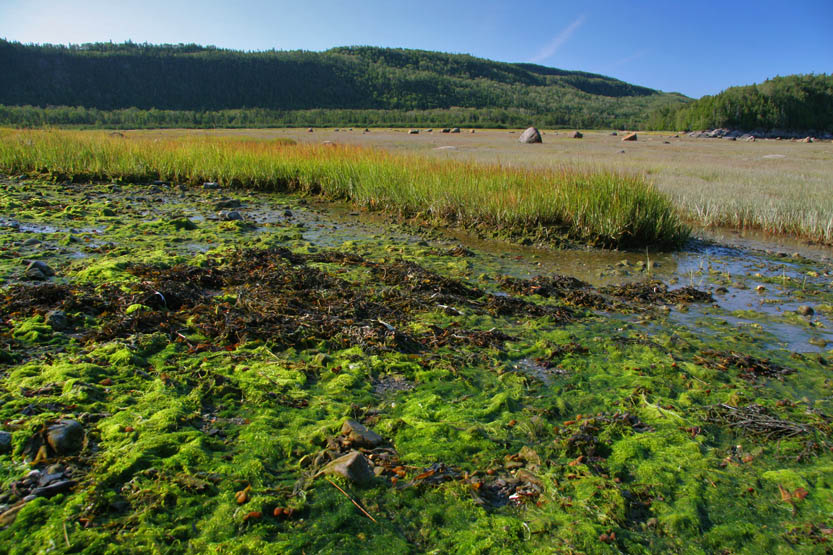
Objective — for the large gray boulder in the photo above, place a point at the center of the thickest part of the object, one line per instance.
(530, 136)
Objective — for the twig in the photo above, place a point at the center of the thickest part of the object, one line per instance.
(66, 536)
(276, 384)
(351, 500)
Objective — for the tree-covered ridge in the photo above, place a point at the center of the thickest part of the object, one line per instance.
(106, 76)
(794, 102)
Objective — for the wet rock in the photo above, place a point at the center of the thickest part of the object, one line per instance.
(5, 442)
(53, 489)
(629, 137)
(39, 270)
(31, 242)
(575, 135)
(359, 435)
(805, 310)
(66, 437)
(530, 136)
(455, 129)
(230, 216)
(57, 320)
(353, 466)
(227, 203)
(210, 185)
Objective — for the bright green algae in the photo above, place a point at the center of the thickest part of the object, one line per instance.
(608, 422)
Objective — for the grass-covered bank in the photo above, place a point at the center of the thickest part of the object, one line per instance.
(600, 208)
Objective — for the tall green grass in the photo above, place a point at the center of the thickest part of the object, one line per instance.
(599, 208)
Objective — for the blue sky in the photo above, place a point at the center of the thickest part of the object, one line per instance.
(693, 47)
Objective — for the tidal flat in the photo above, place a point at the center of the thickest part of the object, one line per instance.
(183, 369)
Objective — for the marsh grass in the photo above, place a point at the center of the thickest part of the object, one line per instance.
(603, 208)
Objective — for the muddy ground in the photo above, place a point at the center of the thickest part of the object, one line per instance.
(183, 369)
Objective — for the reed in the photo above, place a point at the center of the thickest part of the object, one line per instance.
(601, 208)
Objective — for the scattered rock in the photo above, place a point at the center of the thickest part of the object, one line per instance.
(227, 203)
(530, 136)
(429, 130)
(65, 437)
(807, 140)
(413, 132)
(5, 442)
(614, 134)
(455, 130)
(309, 130)
(359, 435)
(805, 310)
(575, 135)
(39, 270)
(230, 216)
(57, 320)
(472, 131)
(629, 137)
(31, 242)
(353, 466)
(446, 130)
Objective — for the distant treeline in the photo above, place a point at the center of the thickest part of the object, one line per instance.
(134, 118)
(794, 102)
(141, 85)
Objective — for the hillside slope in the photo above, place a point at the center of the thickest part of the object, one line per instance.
(793, 102)
(196, 78)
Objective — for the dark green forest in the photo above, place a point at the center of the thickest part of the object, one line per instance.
(142, 85)
(794, 102)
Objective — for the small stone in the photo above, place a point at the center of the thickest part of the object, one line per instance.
(230, 216)
(5, 442)
(227, 203)
(353, 466)
(575, 135)
(210, 185)
(760, 288)
(65, 437)
(57, 320)
(359, 435)
(41, 266)
(721, 290)
(805, 310)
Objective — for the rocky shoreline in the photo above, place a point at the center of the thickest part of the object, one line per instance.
(807, 136)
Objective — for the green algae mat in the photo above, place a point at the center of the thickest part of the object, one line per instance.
(200, 370)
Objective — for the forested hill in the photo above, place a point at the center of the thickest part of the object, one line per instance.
(107, 76)
(793, 102)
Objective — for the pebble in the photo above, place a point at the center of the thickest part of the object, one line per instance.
(233, 215)
(210, 185)
(359, 435)
(5, 442)
(353, 466)
(57, 320)
(805, 310)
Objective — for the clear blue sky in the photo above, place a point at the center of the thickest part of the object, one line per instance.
(694, 47)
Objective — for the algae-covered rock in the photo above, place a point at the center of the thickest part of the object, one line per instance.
(65, 437)
(353, 466)
(39, 270)
(359, 435)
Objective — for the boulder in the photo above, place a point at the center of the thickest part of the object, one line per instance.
(629, 137)
(359, 435)
(575, 135)
(446, 130)
(230, 216)
(807, 140)
(455, 130)
(353, 466)
(65, 437)
(210, 185)
(472, 131)
(614, 134)
(531, 135)
(413, 132)
(309, 130)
